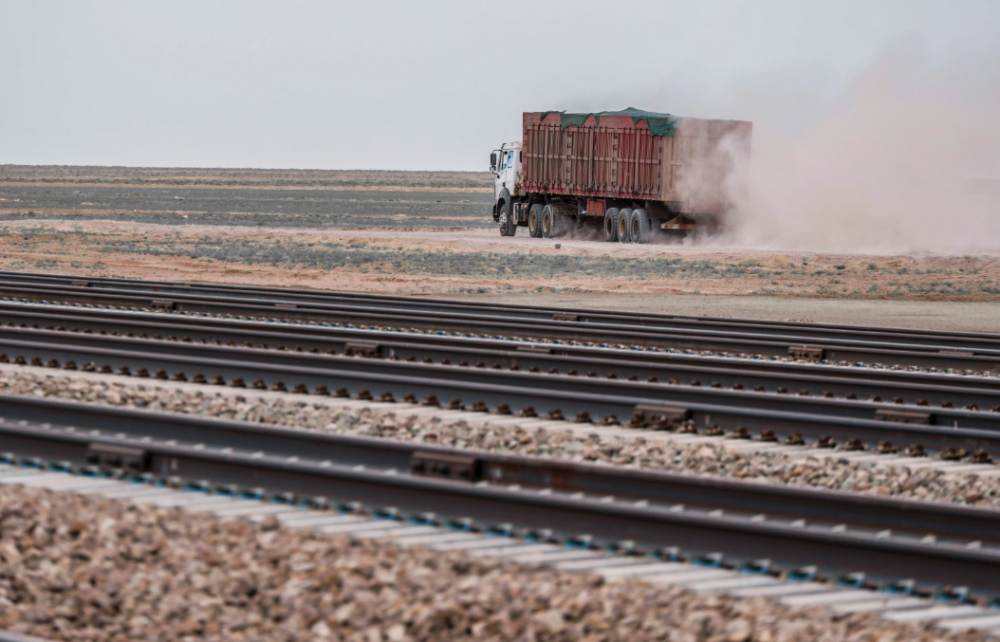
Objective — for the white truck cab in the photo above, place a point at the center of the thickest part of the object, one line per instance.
(505, 163)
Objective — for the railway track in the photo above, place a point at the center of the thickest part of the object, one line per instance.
(960, 340)
(794, 383)
(972, 351)
(949, 610)
(922, 546)
(358, 371)
(898, 386)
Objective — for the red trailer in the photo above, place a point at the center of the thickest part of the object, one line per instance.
(634, 172)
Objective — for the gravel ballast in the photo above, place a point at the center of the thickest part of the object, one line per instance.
(76, 567)
(705, 458)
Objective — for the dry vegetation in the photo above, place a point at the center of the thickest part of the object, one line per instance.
(457, 263)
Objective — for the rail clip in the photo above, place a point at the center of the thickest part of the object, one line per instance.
(903, 417)
(806, 353)
(658, 417)
(163, 304)
(459, 467)
(109, 457)
(368, 349)
(534, 349)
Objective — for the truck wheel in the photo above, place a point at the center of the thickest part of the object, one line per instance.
(506, 223)
(611, 225)
(625, 225)
(535, 221)
(548, 221)
(639, 227)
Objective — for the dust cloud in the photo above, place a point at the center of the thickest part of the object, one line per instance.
(907, 161)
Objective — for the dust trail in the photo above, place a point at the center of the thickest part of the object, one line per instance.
(908, 161)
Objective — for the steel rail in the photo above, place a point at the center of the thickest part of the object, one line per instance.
(693, 491)
(510, 391)
(267, 365)
(609, 322)
(940, 356)
(935, 338)
(909, 387)
(745, 537)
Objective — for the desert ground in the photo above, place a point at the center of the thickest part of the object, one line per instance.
(431, 234)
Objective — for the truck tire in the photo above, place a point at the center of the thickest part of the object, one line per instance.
(548, 221)
(611, 225)
(505, 222)
(639, 227)
(625, 225)
(535, 221)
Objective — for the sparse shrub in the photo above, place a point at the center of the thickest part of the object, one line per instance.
(375, 259)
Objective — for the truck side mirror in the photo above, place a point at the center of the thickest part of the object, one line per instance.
(493, 162)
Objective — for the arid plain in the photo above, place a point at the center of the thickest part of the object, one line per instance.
(431, 234)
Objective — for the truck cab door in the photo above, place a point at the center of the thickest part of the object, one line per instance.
(511, 169)
(499, 182)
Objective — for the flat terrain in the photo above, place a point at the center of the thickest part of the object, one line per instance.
(248, 206)
(432, 234)
(968, 316)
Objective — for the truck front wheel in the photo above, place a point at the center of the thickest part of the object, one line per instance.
(611, 225)
(505, 222)
(535, 221)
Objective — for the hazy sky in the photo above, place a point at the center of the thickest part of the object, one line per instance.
(422, 84)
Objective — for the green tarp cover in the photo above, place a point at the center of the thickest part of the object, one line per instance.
(659, 124)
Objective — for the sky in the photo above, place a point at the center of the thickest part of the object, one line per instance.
(430, 85)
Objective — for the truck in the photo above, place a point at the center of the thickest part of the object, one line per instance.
(634, 174)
